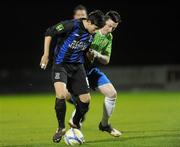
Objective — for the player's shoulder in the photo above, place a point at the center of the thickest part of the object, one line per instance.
(75, 22)
(72, 23)
(110, 36)
(69, 21)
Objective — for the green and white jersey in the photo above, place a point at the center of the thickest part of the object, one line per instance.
(102, 43)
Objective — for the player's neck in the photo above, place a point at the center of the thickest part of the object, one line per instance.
(102, 32)
(85, 23)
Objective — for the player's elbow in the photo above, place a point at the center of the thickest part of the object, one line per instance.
(106, 61)
(49, 32)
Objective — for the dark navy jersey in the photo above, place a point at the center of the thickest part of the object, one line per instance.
(72, 40)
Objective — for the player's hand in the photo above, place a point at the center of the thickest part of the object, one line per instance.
(44, 61)
(90, 55)
(94, 53)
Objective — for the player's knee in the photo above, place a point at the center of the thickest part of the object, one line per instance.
(68, 95)
(85, 98)
(112, 93)
(61, 95)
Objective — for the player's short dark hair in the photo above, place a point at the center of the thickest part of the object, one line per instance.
(97, 18)
(79, 7)
(114, 16)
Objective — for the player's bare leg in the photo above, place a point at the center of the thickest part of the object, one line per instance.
(60, 107)
(110, 94)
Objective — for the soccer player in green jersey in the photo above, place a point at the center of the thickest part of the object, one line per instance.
(100, 51)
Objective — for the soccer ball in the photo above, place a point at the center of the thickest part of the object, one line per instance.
(74, 137)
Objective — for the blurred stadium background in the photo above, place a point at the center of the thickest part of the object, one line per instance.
(145, 52)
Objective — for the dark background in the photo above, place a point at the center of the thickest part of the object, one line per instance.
(147, 35)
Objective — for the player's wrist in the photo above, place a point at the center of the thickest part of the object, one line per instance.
(46, 55)
(98, 55)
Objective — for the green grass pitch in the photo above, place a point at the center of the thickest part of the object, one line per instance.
(147, 119)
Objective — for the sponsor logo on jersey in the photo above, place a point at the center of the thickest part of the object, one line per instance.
(59, 27)
(78, 45)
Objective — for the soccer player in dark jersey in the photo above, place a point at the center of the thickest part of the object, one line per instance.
(101, 52)
(73, 38)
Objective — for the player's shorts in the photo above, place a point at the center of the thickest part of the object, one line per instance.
(73, 75)
(96, 78)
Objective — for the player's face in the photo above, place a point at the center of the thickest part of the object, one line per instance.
(92, 28)
(80, 14)
(110, 26)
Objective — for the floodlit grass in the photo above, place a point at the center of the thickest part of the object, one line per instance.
(145, 118)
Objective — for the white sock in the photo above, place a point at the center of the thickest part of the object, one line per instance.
(108, 107)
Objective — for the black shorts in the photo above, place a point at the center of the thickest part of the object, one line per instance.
(73, 75)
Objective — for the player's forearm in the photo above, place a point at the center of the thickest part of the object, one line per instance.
(45, 57)
(47, 43)
(103, 59)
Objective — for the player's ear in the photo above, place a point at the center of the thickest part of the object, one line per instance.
(89, 22)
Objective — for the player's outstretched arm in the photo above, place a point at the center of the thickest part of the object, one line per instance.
(62, 27)
(104, 56)
(104, 59)
(45, 57)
